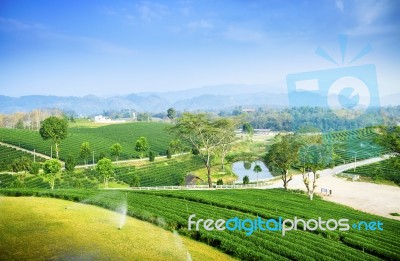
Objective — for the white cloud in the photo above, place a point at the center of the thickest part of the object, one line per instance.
(201, 24)
(340, 5)
(369, 15)
(7, 24)
(149, 11)
(243, 34)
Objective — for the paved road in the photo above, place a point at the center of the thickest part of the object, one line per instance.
(297, 181)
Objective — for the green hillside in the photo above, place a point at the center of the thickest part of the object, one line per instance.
(159, 173)
(383, 170)
(358, 143)
(171, 209)
(8, 155)
(100, 139)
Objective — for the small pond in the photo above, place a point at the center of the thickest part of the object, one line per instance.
(243, 168)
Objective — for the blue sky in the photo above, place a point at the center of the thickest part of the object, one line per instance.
(120, 47)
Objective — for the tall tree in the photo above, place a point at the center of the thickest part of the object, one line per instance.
(105, 168)
(282, 155)
(55, 129)
(85, 151)
(70, 163)
(227, 127)
(307, 137)
(141, 146)
(116, 150)
(257, 169)
(317, 157)
(51, 168)
(171, 113)
(205, 134)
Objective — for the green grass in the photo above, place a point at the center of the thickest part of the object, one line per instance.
(8, 155)
(51, 229)
(359, 144)
(378, 172)
(100, 139)
(158, 173)
(171, 209)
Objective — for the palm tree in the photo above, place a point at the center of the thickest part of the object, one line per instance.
(257, 169)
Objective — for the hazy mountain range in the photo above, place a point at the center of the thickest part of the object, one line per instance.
(205, 98)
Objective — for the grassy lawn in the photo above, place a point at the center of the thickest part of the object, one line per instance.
(53, 229)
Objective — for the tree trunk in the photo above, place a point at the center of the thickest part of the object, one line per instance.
(285, 179)
(208, 166)
(56, 147)
(105, 182)
(314, 185)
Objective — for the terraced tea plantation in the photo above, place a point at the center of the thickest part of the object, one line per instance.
(8, 155)
(100, 139)
(359, 144)
(171, 209)
(166, 173)
(379, 170)
(159, 173)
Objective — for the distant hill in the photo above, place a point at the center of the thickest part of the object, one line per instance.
(204, 98)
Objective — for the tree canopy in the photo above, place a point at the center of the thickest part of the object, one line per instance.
(105, 168)
(116, 150)
(51, 168)
(55, 129)
(141, 145)
(205, 134)
(282, 155)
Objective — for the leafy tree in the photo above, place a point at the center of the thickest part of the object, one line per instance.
(228, 137)
(282, 155)
(105, 168)
(16, 166)
(246, 165)
(141, 146)
(152, 155)
(19, 125)
(195, 151)
(175, 146)
(169, 154)
(116, 151)
(171, 113)
(85, 152)
(70, 163)
(35, 167)
(257, 169)
(135, 182)
(307, 137)
(316, 157)
(102, 155)
(246, 180)
(205, 134)
(246, 128)
(26, 164)
(55, 129)
(51, 168)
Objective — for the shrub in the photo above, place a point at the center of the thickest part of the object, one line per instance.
(220, 182)
(35, 167)
(246, 180)
(152, 155)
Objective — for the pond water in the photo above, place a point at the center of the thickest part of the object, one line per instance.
(239, 168)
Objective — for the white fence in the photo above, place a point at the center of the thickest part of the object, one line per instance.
(193, 187)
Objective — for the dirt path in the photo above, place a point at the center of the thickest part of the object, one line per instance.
(369, 197)
(25, 150)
